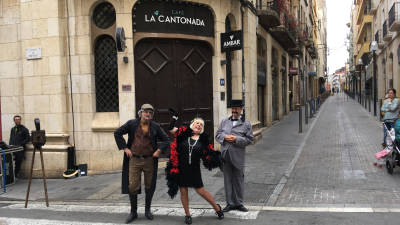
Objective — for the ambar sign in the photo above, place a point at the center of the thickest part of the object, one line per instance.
(231, 41)
(172, 17)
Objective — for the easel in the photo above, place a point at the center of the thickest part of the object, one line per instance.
(38, 140)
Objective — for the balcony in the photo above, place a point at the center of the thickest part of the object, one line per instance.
(296, 50)
(363, 50)
(387, 36)
(373, 6)
(364, 29)
(268, 13)
(394, 17)
(363, 10)
(312, 51)
(285, 34)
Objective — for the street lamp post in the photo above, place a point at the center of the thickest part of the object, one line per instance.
(360, 65)
(373, 48)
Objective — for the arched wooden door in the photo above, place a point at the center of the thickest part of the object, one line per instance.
(175, 73)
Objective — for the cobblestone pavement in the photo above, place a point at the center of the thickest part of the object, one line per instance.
(335, 167)
(266, 163)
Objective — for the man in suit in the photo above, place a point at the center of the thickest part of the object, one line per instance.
(234, 134)
(141, 155)
(19, 136)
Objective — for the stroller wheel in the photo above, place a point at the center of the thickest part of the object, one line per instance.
(389, 167)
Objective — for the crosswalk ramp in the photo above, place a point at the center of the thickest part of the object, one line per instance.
(165, 210)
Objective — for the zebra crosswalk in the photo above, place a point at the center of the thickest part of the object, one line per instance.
(54, 209)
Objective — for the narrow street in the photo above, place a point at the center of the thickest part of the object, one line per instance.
(323, 176)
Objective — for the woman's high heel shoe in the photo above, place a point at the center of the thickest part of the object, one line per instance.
(219, 213)
(188, 219)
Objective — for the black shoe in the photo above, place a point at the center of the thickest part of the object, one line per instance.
(228, 208)
(188, 219)
(147, 209)
(131, 217)
(242, 208)
(219, 213)
(148, 214)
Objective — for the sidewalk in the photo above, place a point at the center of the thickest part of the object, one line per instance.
(335, 169)
(266, 163)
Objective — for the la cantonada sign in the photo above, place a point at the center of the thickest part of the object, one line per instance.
(172, 17)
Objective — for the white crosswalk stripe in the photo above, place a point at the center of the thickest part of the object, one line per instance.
(161, 211)
(19, 221)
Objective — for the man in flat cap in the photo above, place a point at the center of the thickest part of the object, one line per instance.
(141, 155)
(234, 134)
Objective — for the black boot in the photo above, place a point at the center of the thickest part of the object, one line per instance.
(133, 215)
(147, 209)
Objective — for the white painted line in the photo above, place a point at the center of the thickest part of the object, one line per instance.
(163, 211)
(196, 211)
(19, 221)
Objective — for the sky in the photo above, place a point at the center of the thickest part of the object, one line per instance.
(338, 15)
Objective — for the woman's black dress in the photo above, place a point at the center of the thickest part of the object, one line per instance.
(190, 174)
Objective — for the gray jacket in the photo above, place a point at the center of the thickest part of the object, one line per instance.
(234, 152)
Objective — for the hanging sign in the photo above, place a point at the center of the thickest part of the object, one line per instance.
(231, 41)
(173, 17)
(293, 71)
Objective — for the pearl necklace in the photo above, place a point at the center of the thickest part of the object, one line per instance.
(191, 149)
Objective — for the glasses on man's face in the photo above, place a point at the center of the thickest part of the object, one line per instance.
(148, 111)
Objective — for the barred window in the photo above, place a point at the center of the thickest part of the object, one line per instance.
(106, 74)
(104, 15)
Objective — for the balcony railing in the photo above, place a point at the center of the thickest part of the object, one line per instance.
(267, 4)
(394, 17)
(269, 12)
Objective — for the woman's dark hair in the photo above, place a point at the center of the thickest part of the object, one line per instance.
(392, 89)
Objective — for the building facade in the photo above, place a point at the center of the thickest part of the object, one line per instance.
(85, 67)
(376, 23)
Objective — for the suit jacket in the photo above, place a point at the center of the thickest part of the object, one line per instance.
(234, 152)
(19, 136)
(156, 133)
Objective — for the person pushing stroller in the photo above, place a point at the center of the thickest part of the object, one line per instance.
(391, 109)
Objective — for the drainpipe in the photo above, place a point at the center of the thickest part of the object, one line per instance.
(243, 71)
(70, 73)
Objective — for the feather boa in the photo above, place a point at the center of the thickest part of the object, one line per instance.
(210, 157)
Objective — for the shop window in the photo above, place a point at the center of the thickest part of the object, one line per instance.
(106, 74)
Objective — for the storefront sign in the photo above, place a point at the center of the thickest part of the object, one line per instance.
(173, 17)
(293, 71)
(231, 41)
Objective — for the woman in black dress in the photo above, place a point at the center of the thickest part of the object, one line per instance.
(183, 169)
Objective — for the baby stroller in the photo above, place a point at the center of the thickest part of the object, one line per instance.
(393, 146)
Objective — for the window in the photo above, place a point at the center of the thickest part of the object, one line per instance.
(104, 15)
(105, 58)
(106, 74)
